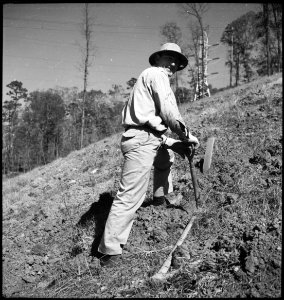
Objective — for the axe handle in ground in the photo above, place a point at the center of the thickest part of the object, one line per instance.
(193, 177)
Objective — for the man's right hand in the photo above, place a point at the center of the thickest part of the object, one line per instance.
(180, 147)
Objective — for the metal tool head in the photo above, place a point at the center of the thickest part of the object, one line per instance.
(208, 154)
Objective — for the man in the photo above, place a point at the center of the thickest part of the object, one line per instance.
(147, 115)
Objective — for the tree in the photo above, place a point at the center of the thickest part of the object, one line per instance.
(276, 26)
(240, 37)
(192, 50)
(10, 107)
(267, 39)
(228, 38)
(171, 33)
(46, 113)
(183, 95)
(68, 94)
(270, 35)
(197, 10)
(27, 142)
(116, 92)
(87, 33)
(10, 114)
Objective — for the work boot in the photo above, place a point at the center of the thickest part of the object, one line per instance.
(110, 260)
(157, 201)
(169, 199)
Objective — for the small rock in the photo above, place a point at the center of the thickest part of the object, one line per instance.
(47, 187)
(182, 251)
(48, 227)
(146, 217)
(30, 260)
(39, 249)
(150, 229)
(37, 268)
(232, 198)
(154, 211)
(85, 169)
(250, 264)
(45, 259)
(179, 255)
(53, 261)
(236, 269)
(37, 182)
(29, 279)
(103, 288)
(276, 263)
(254, 293)
(32, 194)
(43, 285)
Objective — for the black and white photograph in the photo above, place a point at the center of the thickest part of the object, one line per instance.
(141, 150)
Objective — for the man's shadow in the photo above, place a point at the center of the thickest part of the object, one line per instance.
(98, 214)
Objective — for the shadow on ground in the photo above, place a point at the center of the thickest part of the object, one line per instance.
(98, 214)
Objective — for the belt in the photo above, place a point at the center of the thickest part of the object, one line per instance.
(144, 127)
(137, 127)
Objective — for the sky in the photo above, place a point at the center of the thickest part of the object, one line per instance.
(42, 42)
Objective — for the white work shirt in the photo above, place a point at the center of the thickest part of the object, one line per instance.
(153, 103)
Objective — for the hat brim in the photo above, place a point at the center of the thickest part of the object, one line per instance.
(183, 61)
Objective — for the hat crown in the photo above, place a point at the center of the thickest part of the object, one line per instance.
(171, 47)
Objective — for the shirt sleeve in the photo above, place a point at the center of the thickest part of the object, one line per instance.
(165, 102)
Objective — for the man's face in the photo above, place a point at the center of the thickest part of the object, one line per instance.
(169, 62)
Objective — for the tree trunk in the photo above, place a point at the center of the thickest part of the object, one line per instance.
(231, 74)
(237, 69)
(87, 33)
(232, 60)
(83, 122)
(266, 26)
(275, 8)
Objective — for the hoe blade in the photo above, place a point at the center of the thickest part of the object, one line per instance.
(208, 154)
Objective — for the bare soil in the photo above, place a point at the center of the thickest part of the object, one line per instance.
(53, 216)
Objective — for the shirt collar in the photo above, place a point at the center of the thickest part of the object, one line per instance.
(164, 71)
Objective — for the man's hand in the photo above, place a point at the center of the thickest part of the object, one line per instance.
(191, 139)
(180, 147)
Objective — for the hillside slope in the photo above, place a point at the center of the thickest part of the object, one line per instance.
(54, 215)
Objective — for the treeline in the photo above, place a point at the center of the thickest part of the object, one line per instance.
(45, 125)
(254, 44)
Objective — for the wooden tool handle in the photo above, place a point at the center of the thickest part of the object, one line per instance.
(166, 265)
(194, 182)
(193, 176)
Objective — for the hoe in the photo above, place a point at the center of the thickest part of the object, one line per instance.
(162, 273)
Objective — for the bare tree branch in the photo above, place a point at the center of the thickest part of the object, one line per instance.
(87, 51)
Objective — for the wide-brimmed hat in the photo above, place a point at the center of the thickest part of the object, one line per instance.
(170, 48)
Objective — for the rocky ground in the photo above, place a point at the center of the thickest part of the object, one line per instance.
(53, 216)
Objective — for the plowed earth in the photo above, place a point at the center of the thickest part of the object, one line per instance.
(53, 216)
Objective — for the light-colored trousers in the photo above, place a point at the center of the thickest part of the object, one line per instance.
(141, 150)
